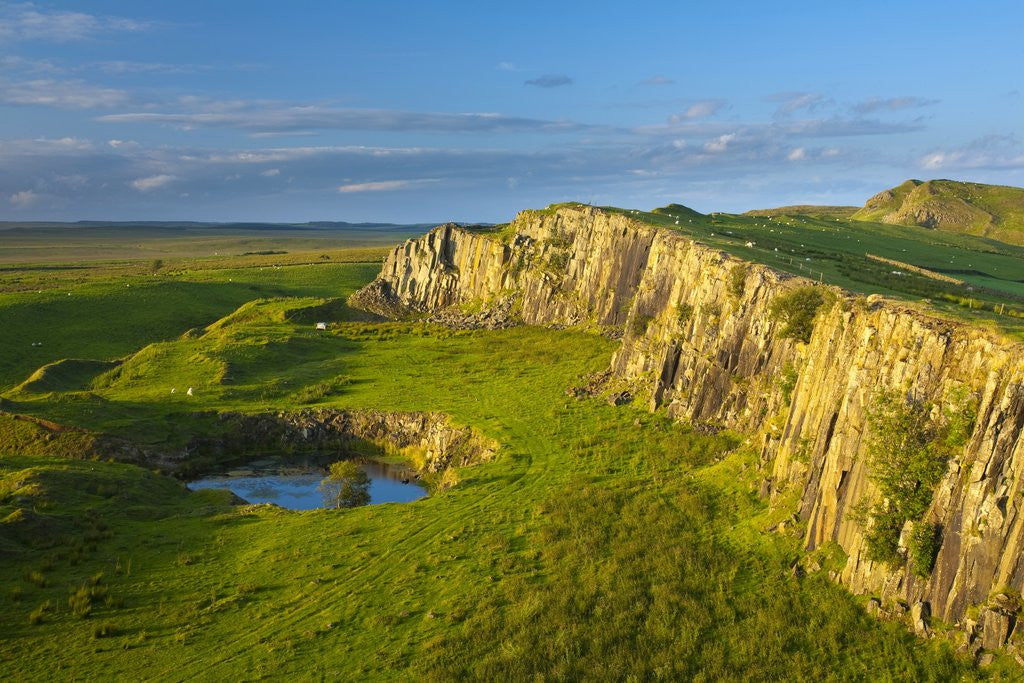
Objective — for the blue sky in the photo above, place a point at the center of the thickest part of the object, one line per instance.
(414, 111)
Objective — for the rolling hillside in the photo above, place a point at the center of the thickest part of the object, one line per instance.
(994, 211)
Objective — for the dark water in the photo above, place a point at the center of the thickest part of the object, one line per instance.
(296, 488)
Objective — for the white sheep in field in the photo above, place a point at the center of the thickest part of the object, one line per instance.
(189, 392)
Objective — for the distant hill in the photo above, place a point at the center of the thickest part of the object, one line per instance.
(994, 211)
(807, 210)
(678, 210)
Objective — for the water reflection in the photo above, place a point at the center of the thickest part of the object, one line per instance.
(296, 488)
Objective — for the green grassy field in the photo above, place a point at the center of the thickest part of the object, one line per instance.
(835, 250)
(602, 543)
(78, 243)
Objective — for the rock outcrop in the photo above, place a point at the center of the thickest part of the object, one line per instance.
(431, 440)
(699, 337)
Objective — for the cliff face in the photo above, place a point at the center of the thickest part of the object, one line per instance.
(699, 338)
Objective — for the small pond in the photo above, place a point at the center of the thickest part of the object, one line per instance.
(296, 487)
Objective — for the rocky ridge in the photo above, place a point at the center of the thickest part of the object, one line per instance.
(699, 337)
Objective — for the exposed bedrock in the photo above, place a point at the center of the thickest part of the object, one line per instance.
(430, 440)
(698, 337)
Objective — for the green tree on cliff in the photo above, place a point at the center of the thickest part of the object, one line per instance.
(346, 485)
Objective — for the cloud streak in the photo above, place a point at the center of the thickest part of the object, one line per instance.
(25, 21)
(73, 94)
(277, 118)
(875, 104)
(792, 102)
(995, 152)
(383, 185)
(152, 182)
(550, 81)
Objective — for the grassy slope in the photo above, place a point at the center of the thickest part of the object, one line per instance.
(994, 211)
(806, 210)
(104, 319)
(603, 542)
(835, 251)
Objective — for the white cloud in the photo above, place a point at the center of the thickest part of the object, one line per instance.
(152, 182)
(990, 152)
(384, 185)
(797, 154)
(72, 94)
(892, 104)
(719, 144)
(122, 144)
(699, 110)
(270, 172)
(790, 102)
(267, 117)
(24, 198)
(26, 21)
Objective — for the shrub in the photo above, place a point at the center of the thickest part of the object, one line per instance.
(737, 280)
(36, 616)
(788, 381)
(640, 323)
(796, 309)
(558, 260)
(346, 485)
(683, 313)
(923, 547)
(81, 601)
(908, 451)
(104, 630)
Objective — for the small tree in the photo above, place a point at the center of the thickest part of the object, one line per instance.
(155, 265)
(346, 485)
(797, 308)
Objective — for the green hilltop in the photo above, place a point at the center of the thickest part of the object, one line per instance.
(806, 210)
(994, 211)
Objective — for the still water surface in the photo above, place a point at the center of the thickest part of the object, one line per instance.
(295, 488)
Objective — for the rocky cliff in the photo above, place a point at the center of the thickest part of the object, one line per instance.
(430, 441)
(704, 335)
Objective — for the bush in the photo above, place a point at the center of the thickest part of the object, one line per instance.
(558, 261)
(737, 280)
(346, 485)
(908, 452)
(923, 547)
(640, 323)
(104, 630)
(882, 537)
(683, 313)
(788, 382)
(796, 309)
(36, 616)
(81, 601)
